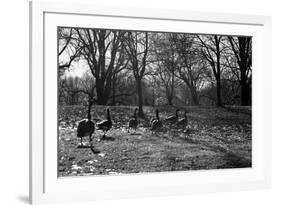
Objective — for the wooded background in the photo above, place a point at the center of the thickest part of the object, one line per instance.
(153, 68)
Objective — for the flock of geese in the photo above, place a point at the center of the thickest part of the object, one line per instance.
(87, 127)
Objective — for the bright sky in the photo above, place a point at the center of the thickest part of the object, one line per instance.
(77, 69)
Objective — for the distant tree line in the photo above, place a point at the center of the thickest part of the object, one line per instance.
(149, 68)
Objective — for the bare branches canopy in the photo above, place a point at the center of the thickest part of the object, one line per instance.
(149, 68)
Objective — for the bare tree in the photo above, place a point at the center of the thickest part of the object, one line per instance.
(241, 47)
(75, 86)
(68, 90)
(100, 48)
(124, 65)
(166, 58)
(137, 46)
(119, 72)
(191, 68)
(67, 53)
(211, 47)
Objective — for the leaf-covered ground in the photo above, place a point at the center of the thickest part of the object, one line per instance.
(214, 138)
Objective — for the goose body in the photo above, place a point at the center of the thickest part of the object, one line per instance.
(86, 127)
(154, 118)
(133, 123)
(156, 124)
(173, 118)
(151, 121)
(182, 122)
(105, 125)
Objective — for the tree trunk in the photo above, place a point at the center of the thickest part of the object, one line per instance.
(89, 110)
(170, 100)
(192, 93)
(101, 97)
(113, 89)
(172, 89)
(153, 98)
(169, 95)
(103, 92)
(140, 97)
(245, 97)
(194, 97)
(99, 90)
(219, 103)
(101, 100)
(218, 72)
(243, 56)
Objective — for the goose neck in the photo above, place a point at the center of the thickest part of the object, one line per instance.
(108, 115)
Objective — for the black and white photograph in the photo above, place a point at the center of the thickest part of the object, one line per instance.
(150, 101)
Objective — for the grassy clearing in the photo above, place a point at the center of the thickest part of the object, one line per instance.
(214, 138)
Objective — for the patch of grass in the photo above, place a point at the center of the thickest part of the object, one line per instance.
(214, 138)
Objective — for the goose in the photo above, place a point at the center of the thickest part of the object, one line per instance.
(173, 118)
(133, 122)
(183, 121)
(86, 127)
(105, 125)
(156, 124)
(154, 118)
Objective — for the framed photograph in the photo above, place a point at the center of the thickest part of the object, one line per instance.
(130, 102)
